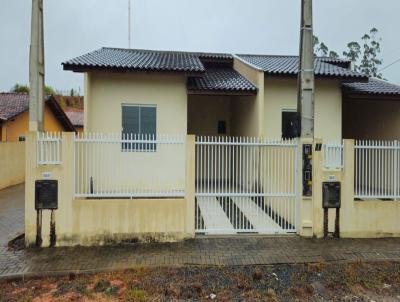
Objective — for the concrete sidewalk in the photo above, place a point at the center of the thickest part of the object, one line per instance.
(200, 251)
(239, 250)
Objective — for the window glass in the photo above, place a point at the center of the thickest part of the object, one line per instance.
(140, 121)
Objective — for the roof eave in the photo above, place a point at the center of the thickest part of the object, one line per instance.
(83, 68)
(359, 79)
(222, 92)
(60, 114)
(370, 95)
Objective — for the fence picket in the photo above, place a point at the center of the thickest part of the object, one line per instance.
(129, 165)
(245, 184)
(376, 169)
(48, 148)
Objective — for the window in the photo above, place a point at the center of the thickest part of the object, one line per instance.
(290, 124)
(139, 121)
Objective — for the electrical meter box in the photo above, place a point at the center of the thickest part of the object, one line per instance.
(46, 195)
(331, 195)
(307, 169)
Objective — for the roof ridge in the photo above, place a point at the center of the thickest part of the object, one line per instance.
(11, 92)
(168, 51)
(293, 56)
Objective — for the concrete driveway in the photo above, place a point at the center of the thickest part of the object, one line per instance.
(11, 213)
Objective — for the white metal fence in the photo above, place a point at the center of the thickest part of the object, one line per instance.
(48, 148)
(377, 167)
(129, 166)
(333, 155)
(245, 185)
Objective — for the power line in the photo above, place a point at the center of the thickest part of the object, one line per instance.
(390, 65)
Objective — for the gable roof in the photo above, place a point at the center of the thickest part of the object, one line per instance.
(76, 117)
(372, 87)
(195, 63)
(223, 80)
(289, 66)
(143, 60)
(13, 104)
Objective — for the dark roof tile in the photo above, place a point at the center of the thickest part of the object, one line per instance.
(221, 79)
(289, 65)
(373, 87)
(137, 60)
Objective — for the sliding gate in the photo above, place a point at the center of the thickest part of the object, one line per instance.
(245, 185)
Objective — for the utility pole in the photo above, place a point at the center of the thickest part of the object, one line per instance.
(306, 86)
(36, 68)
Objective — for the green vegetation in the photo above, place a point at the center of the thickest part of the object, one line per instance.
(20, 88)
(364, 54)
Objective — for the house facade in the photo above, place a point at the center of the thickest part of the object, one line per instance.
(179, 143)
(14, 116)
(246, 95)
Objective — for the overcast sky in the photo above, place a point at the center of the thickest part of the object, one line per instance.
(75, 27)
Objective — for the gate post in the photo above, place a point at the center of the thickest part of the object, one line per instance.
(190, 184)
(305, 221)
(318, 178)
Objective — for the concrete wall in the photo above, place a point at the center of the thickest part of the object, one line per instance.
(96, 222)
(13, 129)
(281, 94)
(248, 111)
(358, 219)
(371, 119)
(106, 92)
(12, 163)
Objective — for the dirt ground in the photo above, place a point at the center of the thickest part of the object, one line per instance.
(309, 282)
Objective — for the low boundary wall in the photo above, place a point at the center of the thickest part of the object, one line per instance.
(358, 218)
(104, 221)
(12, 164)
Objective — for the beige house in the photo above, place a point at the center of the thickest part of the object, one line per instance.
(180, 143)
(223, 94)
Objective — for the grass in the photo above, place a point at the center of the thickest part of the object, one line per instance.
(135, 295)
(271, 283)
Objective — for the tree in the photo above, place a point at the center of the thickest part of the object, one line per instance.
(20, 88)
(49, 90)
(370, 61)
(322, 50)
(25, 89)
(364, 55)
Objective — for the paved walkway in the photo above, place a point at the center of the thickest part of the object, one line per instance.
(246, 250)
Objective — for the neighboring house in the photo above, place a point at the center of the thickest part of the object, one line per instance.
(76, 118)
(144, 91)
(371, 110)
(14, 116)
